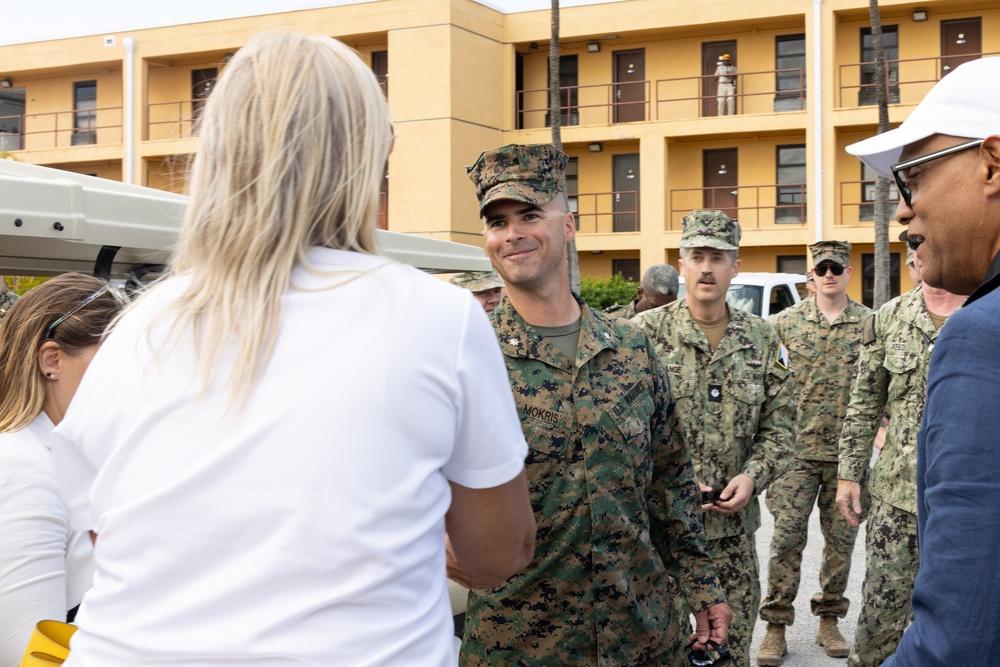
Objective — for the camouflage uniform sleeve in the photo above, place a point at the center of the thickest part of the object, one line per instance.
(675, 499)
(774, 443)
(864, 413)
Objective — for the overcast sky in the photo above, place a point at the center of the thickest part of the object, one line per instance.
(36, 20)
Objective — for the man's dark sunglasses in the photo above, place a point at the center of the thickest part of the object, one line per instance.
(835, 269)
(705, 659)
(898, 168)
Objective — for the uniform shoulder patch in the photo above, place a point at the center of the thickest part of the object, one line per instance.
(868, 331)
(781, 359)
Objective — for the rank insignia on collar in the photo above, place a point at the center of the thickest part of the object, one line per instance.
(781, 359)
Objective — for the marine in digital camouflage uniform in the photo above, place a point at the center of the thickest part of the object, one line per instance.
(737, 414)
(824, 364)
(486, 286)
(7, 298)
(892, 375)
(610, 479)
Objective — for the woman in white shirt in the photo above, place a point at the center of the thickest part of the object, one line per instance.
(48, 338)
(297, 419)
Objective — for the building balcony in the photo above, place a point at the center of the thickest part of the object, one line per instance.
(606, 212)
(857, 208)
(680, 98)
(63, 129)
(771, 206)
(908, 81)
(173, 120)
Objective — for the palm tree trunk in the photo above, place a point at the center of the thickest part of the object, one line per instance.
(882, 212)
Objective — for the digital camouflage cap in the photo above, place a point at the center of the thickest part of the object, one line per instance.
(527, 174)
(477, 281)
(909, 256)
(838, 252)
(710, 229)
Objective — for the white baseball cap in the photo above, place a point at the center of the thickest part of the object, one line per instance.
(966, 103)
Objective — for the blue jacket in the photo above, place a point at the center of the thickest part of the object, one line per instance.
(956, 597)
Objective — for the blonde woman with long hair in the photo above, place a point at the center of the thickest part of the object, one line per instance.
(298, 419)
(48, 338)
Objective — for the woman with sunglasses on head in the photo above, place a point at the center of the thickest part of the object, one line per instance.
(48, 338)
(299, 419)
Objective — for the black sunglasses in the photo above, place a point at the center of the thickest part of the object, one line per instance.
(835, 269)
(704, 659)
(898, 168)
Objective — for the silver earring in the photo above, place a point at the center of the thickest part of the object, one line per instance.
(50, 375)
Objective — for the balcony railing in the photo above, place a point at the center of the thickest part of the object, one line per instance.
(63, 129)
(607, 212)
(174, 120)
(755, 206)
(596, 104)
(856, 207)
(679, 98)
(908, 80)
(683, 98)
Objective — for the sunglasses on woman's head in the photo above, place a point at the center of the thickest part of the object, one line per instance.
(118, 293)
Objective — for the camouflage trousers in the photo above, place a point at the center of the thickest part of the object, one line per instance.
(736, 564)
(790, 500)
(891, 564)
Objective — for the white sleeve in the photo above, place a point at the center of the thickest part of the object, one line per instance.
(489, 447)
(33, 533)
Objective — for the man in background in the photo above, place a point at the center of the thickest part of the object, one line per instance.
(486, 286)
(823, 335)
(892, 377)
(725, 74)
(7, 298)
(659, 287)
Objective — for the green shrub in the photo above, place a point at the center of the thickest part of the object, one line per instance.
(600, 293)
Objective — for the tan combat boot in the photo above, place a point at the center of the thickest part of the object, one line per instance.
(829, 638)
(773, 648)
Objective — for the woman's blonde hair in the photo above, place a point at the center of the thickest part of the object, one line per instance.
(23, 330)
(294, 141)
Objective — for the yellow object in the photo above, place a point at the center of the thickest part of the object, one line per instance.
(49, 644)
(726, 56)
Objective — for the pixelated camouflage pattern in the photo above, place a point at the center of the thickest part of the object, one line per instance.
(831, 251)
(909, 255)
(824, 364)
(528, 174)
(735, 560)
(790, 500)
(477, 281)
(615, 503)
(892, 374)
(625, 312)
(891, 563)
(7, 300)
(710, 229)
(734, 403)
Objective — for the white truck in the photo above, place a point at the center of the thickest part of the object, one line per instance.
(763, 294)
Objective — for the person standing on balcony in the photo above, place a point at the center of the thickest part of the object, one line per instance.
(725, 74)
(611, 481)
(823, 335)
(892, 376)
(730, 374)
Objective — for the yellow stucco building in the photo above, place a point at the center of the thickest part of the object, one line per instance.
(641, 114)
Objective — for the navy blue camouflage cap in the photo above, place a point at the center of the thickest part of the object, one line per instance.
(838, 252)
(528, 174)
(710, 229)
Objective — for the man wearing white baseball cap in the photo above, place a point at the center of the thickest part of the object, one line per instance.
(946, 162)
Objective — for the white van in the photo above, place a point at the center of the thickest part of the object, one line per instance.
(53, 221)
(763, 294)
